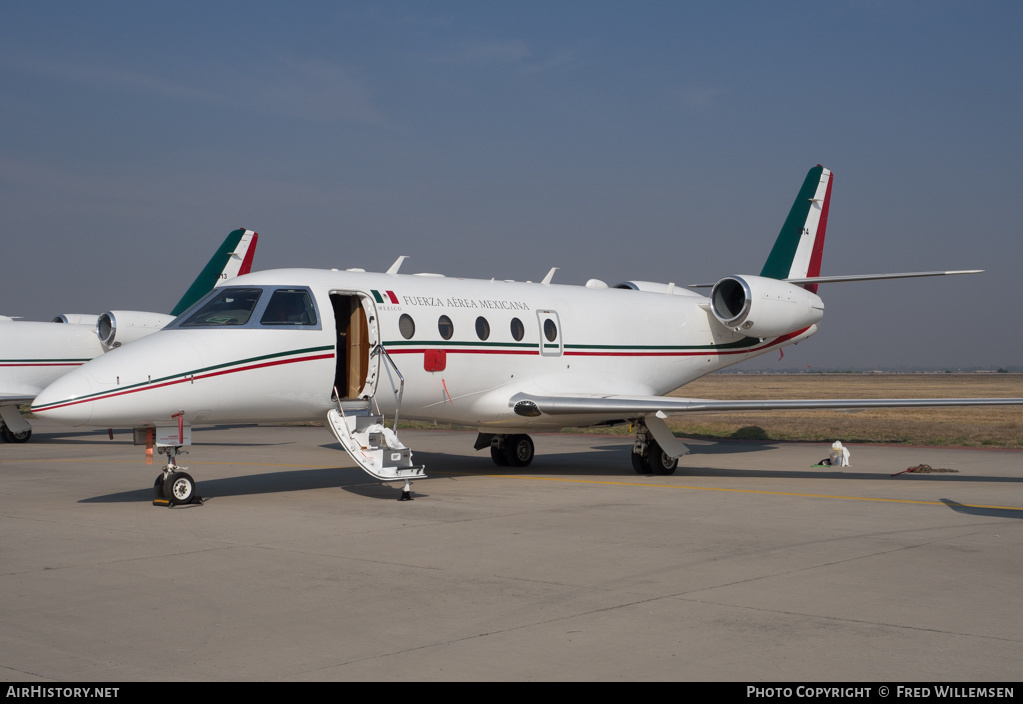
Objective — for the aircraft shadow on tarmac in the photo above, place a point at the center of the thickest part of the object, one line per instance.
(983, 512)
(598, 461)
(346, 478)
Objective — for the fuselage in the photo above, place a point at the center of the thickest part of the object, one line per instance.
(34, 354)
(463, 347)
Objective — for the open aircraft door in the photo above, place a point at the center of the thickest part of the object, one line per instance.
(358, 420)
(550, 333)
(358, 333)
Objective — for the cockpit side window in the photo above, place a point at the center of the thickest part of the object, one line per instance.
(231, 306)
(289, 306)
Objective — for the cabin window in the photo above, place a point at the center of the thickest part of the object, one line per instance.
(289, 306)
(482, 328)
(550, 330)
(231, 306)
(446, 328)
(406, 326)
(518, 330)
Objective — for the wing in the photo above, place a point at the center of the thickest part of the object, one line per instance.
(532, 405)
(15, 399)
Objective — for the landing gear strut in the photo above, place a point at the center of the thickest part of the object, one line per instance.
(512, 450)
(174, 487)
(648, 457)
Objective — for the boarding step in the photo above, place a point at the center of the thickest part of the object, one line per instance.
(355, 406)
(374, 447)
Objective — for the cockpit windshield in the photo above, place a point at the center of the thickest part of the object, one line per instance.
(289, 306)
(230, 306)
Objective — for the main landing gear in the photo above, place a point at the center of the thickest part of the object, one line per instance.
(648, 457)
(511, 450)
(174, 487)
(11, 436)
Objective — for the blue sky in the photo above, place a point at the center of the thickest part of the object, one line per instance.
(657, 141)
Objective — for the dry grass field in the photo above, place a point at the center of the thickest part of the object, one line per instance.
(996, 426)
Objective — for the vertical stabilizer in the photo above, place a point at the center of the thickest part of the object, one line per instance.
(233, 258)
(800, 245)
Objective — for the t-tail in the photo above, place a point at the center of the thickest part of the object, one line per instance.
(797, 253)
(783, 299)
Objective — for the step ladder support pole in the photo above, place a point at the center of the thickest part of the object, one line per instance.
(379, 349)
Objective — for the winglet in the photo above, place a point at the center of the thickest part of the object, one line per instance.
(397, 264)
(233, 258)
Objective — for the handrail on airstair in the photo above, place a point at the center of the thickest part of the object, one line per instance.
(379, 349)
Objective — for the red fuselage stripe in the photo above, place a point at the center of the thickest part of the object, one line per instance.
(185, 379)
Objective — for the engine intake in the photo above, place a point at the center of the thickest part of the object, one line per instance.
(761, 307)
(119, 327)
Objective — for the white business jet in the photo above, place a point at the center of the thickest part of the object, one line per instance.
(508, 358)
(33, 354)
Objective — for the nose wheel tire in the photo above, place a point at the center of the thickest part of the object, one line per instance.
(178, 488)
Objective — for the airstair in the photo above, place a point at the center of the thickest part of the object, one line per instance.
(375, 448)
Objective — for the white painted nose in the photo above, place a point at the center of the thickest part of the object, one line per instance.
(67, 400)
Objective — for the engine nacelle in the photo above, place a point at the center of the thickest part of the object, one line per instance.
(655, 287)
(760, 307)
(119, 327)
(76, 318)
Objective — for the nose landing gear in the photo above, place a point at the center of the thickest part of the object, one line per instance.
(174, 487)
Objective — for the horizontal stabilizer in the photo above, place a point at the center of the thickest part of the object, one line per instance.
(865, 277)
(875, 277)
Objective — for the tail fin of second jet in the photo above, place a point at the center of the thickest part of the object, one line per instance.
(233, 258)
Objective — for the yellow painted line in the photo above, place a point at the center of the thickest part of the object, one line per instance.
(737, 491)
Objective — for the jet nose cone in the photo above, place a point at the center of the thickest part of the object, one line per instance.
(66, 400)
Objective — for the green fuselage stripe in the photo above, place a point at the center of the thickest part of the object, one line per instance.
(202, 370)
(738, 344)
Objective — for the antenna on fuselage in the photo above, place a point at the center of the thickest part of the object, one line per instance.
(397, 264)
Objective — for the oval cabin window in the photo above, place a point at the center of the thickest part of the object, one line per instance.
(406, 326)
(550, 330)
(518, 330)
(482, 328)
(446, 328)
